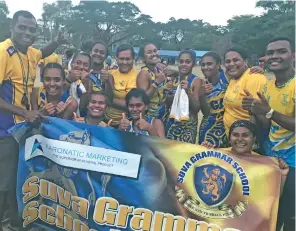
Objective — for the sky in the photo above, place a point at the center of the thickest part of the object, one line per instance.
(215, 12)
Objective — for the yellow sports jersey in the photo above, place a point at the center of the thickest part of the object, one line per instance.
(13, 79)
(53, 58)
(123, 83)
(281, 142)
(234, 96)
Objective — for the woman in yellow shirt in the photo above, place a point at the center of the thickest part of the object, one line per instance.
(124, 79)
(240, 79)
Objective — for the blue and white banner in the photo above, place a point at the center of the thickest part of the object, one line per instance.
(79, 177)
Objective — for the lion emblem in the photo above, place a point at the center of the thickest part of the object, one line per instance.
(214, 183)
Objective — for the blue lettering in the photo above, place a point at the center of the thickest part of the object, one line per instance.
(193, 159)
(235, 165)
(203, 155)
(210, 153)
(224, 157)
(198, 157)
(218, 155)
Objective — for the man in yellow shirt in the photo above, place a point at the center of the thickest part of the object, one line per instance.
(18, 62)
(276, 107)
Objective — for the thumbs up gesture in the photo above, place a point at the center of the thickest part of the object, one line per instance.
(124, 123)
(77, 119)
(208, 87)
(260, 106)
(159, 76)
(48, 109)
(247, 100)
(105, 75)
(103, 124)
(61, 106)
(142, 124)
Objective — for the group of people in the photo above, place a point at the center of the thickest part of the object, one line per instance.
(238, 103)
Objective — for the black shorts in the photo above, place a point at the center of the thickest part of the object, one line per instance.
(9, 151)
(286, 214)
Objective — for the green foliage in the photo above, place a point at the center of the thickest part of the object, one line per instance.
(123, 22)
(4, 21)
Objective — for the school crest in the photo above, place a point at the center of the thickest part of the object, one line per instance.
(11, 50)
(213, 184)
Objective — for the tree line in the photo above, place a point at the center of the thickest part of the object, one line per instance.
(118, 22)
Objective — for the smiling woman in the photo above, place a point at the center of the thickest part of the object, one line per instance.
(124, 80)
(152, 80)
(241, 80)
(52, 99)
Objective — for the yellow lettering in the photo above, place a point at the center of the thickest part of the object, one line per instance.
(63, 220)
(30, 188)
(192, 224)
(64, 197)
(174, 223)
(142, 219)
(158, 221)
(80, 206)
(169, 222)
(105, 211)
(48, 190)
(30, 212)
(123, 213)
(203, 226)
(47, 214)
(80, 226)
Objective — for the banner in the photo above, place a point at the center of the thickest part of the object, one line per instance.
(77, 177)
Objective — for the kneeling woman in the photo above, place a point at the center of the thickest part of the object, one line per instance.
(96, 110)
(137, 104)
(52, 99)
(242, 138)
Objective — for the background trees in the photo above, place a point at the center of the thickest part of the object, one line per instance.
(118, 22)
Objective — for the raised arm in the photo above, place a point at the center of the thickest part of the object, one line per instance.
(51, 47)
(260, 108)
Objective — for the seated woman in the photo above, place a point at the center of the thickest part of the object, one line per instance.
(137, 104)
(52, 99)
(242, 138)
(96, 109)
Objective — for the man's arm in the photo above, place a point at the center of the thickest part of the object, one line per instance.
(51, 47)
(287, 122)
(11, 109)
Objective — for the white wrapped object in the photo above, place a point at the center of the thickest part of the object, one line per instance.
(73, 92)
(180, 105)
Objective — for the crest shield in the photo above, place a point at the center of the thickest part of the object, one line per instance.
(213, 184)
